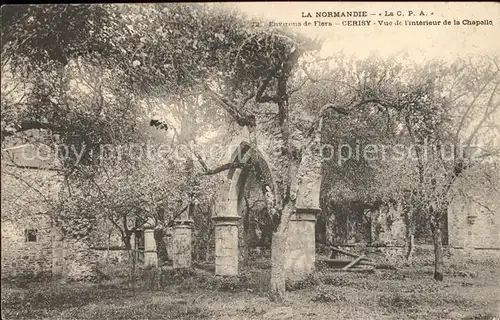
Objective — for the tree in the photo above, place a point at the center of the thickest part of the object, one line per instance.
(442, 107)
(93, 99)
(255, 64)
(430, 108)
(473, 90)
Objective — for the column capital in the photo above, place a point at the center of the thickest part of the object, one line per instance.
(178, 224)
(149, 224)
(226, 220)
(305, 214)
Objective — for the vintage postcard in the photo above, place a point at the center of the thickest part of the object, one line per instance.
(250, 160)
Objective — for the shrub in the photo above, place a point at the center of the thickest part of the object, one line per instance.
(397, 301)
(325, 294)
(309, 281)
(29, 303)
(22, 280)
(112, 271)
(170, 276)
(191, 279)
(229, 284)
(333, 279)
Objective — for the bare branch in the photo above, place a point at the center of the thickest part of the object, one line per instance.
(471, 106)
(237, 115)
(177, 215)
(224, 167)
(292, 91)
(490, 109)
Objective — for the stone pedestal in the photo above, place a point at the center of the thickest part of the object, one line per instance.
(181, 244)
(226, 245)
(150, 253)
(301, 244)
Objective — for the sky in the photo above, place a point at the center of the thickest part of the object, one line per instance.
(420, 42)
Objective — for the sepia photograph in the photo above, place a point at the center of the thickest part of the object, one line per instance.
(250, 160)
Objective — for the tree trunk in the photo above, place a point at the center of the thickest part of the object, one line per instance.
(161, 247)
(207, 247)
(246, 232)
(246, 241)
(438, 251)
(410, 246)
(108, 244)
(330, 225)
(278, 276)
(410, 234)
(278, 254)
(132, 257)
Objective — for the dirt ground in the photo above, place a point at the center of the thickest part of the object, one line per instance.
(471, 292)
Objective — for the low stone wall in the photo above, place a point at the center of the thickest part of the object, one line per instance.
(103, 255)
(79, 261)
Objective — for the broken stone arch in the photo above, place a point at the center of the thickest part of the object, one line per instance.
(226, 221)
(300, 257)
(237, 178)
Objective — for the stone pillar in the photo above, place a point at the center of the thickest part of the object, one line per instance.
(181, 244)
(226, 245)
(169, 239)
(150, 253)
(301, 244)
(57, 254)
(469, 243)
(133, 241)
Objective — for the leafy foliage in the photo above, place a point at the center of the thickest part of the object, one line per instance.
(34, 35)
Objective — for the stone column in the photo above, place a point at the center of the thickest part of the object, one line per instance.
(57, 253)
(133, 241)
(150, 253)
(169, 238)
(301, 244)
(469, 243)
(226, 245)
(181, 244)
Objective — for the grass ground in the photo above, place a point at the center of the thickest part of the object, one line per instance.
(326, 295)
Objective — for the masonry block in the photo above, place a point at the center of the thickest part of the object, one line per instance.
(301, 244)
(226, 245)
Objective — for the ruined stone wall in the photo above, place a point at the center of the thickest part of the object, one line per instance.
(474, 213)
(47, 252)
(26, 213)
(257, 223)
(474, 223)
(49, 255)
(20, 257)
(105, 236)
(111, 256)
(79, 261)
(388, 226)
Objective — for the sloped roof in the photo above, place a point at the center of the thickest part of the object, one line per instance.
(30, 156)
